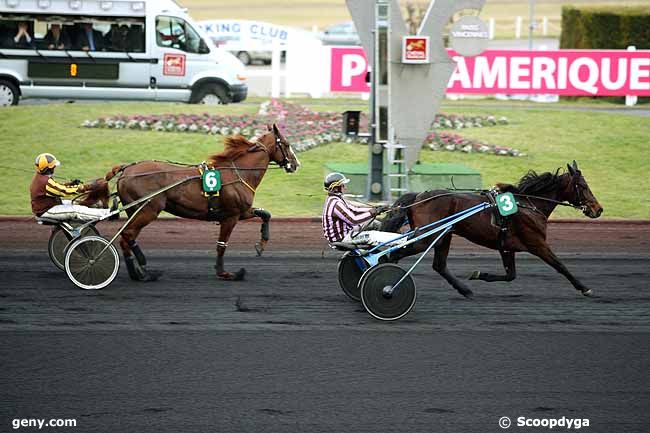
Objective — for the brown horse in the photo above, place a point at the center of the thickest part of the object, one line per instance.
(242, 165)
(537, 196)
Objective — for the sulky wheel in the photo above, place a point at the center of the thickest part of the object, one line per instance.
(59, 241)
(87, 266)
(376, 293)
(350, 270)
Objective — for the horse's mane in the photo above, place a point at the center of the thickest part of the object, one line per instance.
(533, 184)
(234, 147)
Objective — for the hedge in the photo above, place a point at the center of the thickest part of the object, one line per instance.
(605, 27)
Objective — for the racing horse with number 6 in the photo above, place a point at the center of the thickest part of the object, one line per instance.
(242, 165)
(536, 195)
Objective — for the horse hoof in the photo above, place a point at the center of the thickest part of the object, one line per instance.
(239, 275)
(474, 275)
(150, 276)
(588, 292)
(229, 276)
(468, 294)
(259, 248)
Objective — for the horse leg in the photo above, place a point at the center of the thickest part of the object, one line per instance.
(508, 258)
(227, 227)
(400, 253)
(264, 229)
(440, 266)
(134, 258)
(543, 251)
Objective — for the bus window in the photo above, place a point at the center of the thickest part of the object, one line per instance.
(55, 37)
(17, 34)
(125, 37)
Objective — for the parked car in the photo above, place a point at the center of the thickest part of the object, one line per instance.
(247, 52)
(341, 34)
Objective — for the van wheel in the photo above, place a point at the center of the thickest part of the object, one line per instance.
(8, 93)
(244, 57)
(211, 94)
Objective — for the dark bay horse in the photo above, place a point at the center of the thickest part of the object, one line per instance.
(242, 165)
(537, 195)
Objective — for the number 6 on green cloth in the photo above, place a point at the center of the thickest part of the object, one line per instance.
(211, 181)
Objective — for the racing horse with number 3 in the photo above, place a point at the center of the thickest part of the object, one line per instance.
(242, 165)
(537, 196)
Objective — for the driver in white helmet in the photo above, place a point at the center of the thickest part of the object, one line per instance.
(348, 223)
(47, 194)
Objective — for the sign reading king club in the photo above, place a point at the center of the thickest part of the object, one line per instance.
(560, 72)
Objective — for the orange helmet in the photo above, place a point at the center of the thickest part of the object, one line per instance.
(46, 161)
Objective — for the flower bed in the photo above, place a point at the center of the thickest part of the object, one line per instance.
(455, 121)
(303, 128)
(454, 142)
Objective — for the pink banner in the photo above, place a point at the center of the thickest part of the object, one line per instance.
(561, 72)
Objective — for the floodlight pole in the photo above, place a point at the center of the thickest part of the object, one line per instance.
(379, 123)
(531, 23)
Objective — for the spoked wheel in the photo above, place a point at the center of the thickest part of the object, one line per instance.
(350, 270)
(380, 299)
(59, 241)
(87, 266)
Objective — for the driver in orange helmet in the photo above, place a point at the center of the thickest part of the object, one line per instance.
(46, 194)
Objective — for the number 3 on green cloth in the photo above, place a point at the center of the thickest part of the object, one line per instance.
(506, 203)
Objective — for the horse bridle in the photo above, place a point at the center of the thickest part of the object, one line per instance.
(278, 143)
(579, 196)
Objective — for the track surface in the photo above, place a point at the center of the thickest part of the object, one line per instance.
(286, 351)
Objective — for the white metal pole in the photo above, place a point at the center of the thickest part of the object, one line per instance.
(275, 71)
(518, 28)
(631, 100)
(531, 23)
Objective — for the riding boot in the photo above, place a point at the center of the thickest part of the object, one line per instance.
(135, 271)
(137, 252)
(264, 230)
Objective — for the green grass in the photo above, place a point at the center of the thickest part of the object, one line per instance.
(612, 150)
(323, 13)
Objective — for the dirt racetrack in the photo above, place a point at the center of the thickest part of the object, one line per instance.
(284, 350)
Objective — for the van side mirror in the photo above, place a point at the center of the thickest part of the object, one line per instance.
(203, 47)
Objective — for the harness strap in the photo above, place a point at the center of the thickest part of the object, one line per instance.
(500, 220)
(240, 178)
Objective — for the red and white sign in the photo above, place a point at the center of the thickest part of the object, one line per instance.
(415, 49)
(561, 72)
(174, 64)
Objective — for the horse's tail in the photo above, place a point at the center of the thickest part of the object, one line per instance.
(399, 216)
(115, 171)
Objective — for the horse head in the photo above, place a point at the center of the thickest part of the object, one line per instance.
(579, 194)
(280, 150)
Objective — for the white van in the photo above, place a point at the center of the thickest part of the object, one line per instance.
(137, 50)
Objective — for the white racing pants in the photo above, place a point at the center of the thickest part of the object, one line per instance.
(72, 212)
(370, 237)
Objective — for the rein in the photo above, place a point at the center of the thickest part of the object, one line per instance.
(560, 203)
